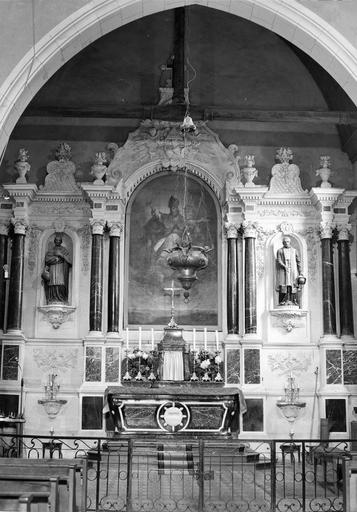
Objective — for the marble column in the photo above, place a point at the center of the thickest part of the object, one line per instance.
(344, 281)
(3, 261)
(113, 276)
(14, 317)
(96, 277)
(328, 281)
(232, 280)
(250, 279)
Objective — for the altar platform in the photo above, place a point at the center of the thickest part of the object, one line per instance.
(175, 408)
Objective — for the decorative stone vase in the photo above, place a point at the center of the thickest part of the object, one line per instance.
(325, 171)
(250, 172)
(22, 166)
(99, 168)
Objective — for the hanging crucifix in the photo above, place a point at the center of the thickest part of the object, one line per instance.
(172, 292)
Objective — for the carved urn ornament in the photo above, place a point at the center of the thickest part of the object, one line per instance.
(325, 171)
(250, 172)
(22, 166)
(99, 168)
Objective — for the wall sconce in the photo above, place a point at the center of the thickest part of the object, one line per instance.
(290, 405)
(51, 403)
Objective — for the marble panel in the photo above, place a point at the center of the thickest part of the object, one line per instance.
(233, 365)
(336, 414)
(253, 419)
(92, 412)
(140, 416)
(251, 366)
(209, 417)
(350, 367)
(9, 404)
(112, 364)
(10, 362)
(93, 371)
(333, 367)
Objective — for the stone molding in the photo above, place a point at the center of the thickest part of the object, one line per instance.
(57, 314)
(288, 318)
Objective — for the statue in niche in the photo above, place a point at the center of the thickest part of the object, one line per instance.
(289, 278)
(55, 275)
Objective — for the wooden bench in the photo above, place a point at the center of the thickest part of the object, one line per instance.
(44, 488)
(24, 502)
(73, 472)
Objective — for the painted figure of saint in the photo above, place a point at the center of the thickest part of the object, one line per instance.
(56, 273)
(167, 228)
(288, 270)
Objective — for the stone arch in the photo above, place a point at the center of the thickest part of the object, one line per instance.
(292, 21)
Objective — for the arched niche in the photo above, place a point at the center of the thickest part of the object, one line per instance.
(156, 215)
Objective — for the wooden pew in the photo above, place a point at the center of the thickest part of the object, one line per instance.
(24, 502)
(43, 487)
(71, 471)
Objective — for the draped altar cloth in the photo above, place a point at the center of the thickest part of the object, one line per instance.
(172, 368)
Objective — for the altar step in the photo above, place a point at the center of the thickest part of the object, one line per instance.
(175, 458)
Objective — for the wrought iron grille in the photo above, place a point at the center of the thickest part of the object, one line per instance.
(178, 474)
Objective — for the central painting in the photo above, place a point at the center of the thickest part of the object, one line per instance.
(165, 209)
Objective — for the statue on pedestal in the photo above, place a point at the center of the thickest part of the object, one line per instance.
(56, 272)
(288, 273)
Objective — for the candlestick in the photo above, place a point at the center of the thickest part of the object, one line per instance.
(139, 338)
(194, 340)
(205, 338)
(152, 339)
(127, 338)
(217, 342)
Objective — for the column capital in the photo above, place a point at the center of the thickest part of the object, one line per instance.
(343, 231)
(4, 229)
(115, 228)
(250, 229)
(20, 226)
(326, 229)
(97, 226)
(231, 230)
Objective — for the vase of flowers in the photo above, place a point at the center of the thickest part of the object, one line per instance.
(207, 366)
(140, 365)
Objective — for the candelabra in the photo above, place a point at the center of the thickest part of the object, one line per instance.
(51, 403)
(291, 405)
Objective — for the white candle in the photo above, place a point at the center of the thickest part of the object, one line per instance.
(127, 338)
(194, 339)
(217, 342)
(152, 339)
(205, 338)
(139, 338)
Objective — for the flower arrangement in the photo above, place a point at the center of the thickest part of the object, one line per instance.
(206, 366)
(141, 365)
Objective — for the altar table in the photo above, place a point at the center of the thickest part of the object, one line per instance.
(175, 408)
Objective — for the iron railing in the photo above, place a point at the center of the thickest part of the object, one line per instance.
(180, 474)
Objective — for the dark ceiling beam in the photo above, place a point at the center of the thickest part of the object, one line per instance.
(176, 113)
(178, 71)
